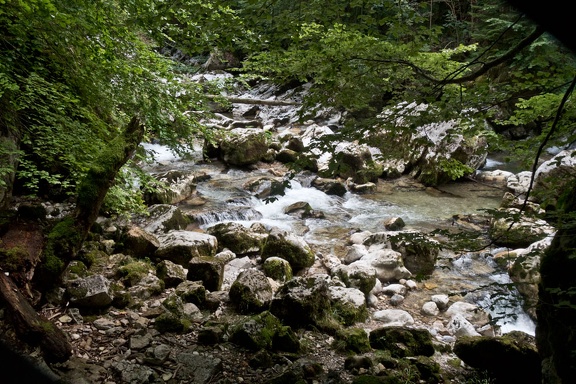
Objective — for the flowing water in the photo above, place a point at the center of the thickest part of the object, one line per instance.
(476, 277)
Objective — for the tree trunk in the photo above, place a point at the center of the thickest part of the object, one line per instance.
(66, 238)
(30, 326)
(9, 144)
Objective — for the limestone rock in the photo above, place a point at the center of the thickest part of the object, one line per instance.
(402, 342)
(289, 247)
(238, 238)
(92, 291)
(207, 269)
(251, 292)
(393, 317)
(181, 246)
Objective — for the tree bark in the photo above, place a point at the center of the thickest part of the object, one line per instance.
(30, 326)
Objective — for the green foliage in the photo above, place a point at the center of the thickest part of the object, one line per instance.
(454, 168)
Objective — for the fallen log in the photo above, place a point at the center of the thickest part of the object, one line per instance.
(242, 100)
(32, 327)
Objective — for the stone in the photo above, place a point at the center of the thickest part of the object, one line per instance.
(251, 292)
(138, 342)
(289, 247)
(388, 263)
(348, 304)
(397, 299)
(394, 223)
(302, 301)
(402, 342)
(197, 369)
(163, 218)
(207, 269)
(181, 246)
(244, 146)
(394, 289)
(441, 301)
(511, 358)
(430, 309)
(277, 268)
(359, 275)
(133, 373)
(256, 332)
(330, 186)
(238, 238)
(170, 273)
(419, 252)
(92, 291)
(393, 317)
(459, 326)
(139, 243)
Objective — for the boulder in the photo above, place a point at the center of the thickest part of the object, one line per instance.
(552, 177)
(181, 246)
(265, 186)
(244, 146)
(251, 292)
(163, 218)
(90, 292)
(348, 305)
(172, 274)
(192, 292)
(360, 276)
(387, 263)
(195, 368)
(233, 268)
(393, 317)
(179, 186)
(330, 186)
(394, 224)
(139, 243)
(402, 342)
(511, 358)
(303, 301)
(351, 160)
(207, 269)
(238, 238)
(277, 268)
(419, 253)
(518, 231)
(459, 326)
(288, 247)
(256, 332)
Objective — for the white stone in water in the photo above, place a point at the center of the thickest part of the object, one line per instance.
(393, 317)
(430, 309)
(359, 237)
(441, 301)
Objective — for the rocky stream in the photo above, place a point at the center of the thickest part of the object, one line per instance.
(247, 272)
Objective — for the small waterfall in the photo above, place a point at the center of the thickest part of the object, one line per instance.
(207, 218)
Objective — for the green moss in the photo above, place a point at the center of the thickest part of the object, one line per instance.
(132, 272)
(168, 322)
(353, 340)
(348, 314)
(14, 259)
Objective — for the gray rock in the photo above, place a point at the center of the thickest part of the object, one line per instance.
(348, 304)
(238, 238)
(131, 373)
(92, 291)
(289, 247)
(393, 317)
(181, 246)
(244, 146)
(138, 342)
(172, 274)
(251, 292)
(163, 218)
(441, 301)
(430, 309)
(139, 243)
(207, 269)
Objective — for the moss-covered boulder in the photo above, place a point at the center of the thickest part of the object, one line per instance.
(238, 238)
(511, 358)
(277, 269)
(251, 291)
(353, 340)
(289, 247)
(172, 274)
(192, 292)
(303, 301)
(402, 342)
(256, 332)
(348, 305)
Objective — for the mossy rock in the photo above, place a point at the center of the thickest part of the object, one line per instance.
(277, 268)
(256, 332)
(512, 357)
(288, 247)
(169, 322)
(354, 340)
(402, 342)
